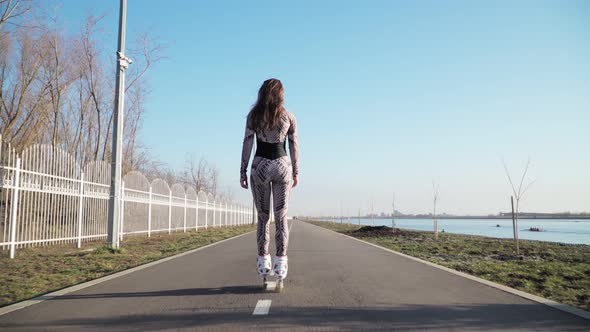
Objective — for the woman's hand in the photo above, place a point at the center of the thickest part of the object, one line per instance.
(244, 183)
(295, 181)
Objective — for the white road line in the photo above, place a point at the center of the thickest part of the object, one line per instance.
(262, 307)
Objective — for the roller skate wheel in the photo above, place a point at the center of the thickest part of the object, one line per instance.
(280, 286)
(264, 283)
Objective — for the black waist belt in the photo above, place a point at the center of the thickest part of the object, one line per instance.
(270, 150)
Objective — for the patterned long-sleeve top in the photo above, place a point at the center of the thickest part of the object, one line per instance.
(286, 129)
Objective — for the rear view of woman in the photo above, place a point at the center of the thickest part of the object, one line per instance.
(272, 172)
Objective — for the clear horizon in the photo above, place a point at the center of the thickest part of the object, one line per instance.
(379, 215)
(389, 96)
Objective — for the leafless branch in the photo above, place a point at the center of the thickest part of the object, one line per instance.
(435, 190)
(509, 178)
(11, 9)
(518, 194)
(150, 52)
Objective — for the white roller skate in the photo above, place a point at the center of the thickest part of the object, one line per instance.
(280, 269)
(263, 264)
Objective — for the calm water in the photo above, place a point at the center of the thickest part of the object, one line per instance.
(554, 230)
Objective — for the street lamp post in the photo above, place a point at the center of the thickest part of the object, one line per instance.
(117, 151)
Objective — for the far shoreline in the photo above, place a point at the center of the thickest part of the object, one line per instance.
(556, 218)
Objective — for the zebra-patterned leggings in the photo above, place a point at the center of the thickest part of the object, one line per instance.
(271, 176)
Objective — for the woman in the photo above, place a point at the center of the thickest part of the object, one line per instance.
(272, 171)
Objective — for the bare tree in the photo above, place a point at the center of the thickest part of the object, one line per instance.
(57, 88)
(12, 9)
(214, 180)
(196, 173)
(518, 194)
(23, 102)
(227, 193)
(152, 168)
(202, 176)
(95, 87)
(134, 151)
(393, 214)
(435, 194)
(56, 73)
(146, 52)
(163, 172)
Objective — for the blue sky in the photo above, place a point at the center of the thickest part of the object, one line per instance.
(388, 95)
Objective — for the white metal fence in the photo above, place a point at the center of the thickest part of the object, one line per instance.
(46, 197)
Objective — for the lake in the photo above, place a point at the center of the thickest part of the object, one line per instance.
(554, 230)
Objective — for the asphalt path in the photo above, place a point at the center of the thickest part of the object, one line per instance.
(334, 283)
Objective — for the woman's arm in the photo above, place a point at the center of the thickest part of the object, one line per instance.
(246, 152)
(293, 146)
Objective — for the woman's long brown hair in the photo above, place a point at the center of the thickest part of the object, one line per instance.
(265, 114)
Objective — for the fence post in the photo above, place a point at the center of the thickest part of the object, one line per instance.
(150, 213)
(80, 209)
(122, 211)
(226, 211)
(197, 214)
(170, 213)
(185, 213)
(13, 207)
(206, 212)
(214, 213)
